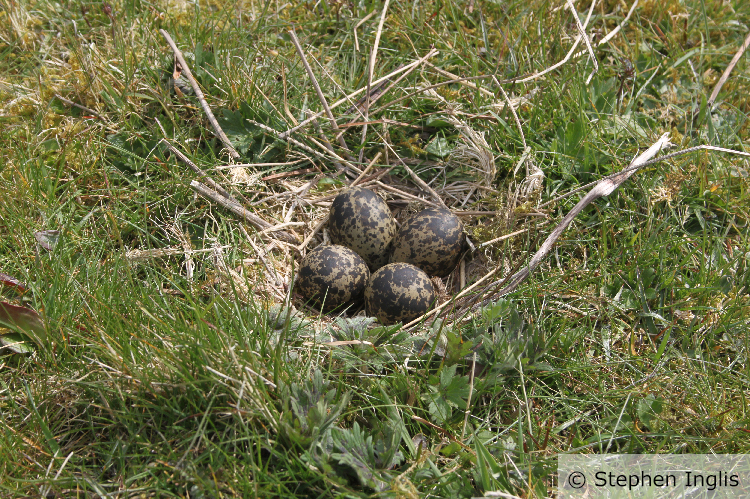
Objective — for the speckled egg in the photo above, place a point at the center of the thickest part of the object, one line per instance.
(399, 292)
(332, 275)
(361, 220)
(433, 240)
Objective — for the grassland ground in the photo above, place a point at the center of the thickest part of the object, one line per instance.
(175, 359)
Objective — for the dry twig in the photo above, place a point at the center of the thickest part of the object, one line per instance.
(349, 97)
(238, 210)
(725, 76)
(567, 56)
(582, 31)
(321, 97)
(199, 94)
(603, 188)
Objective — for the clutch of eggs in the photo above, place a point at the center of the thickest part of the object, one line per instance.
(365, 239)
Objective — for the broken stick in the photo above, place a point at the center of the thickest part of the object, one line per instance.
(199, 94)
(238, 210)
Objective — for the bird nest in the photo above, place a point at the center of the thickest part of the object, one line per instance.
(285, 214)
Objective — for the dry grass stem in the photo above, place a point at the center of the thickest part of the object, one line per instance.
(727, 72)
(199, 94)
(136, 255)
(476, 213)
(356, 27)
(211, 183)
(259, 165)
(568, 55)
(462, 274)
(421, 183)
(286, 99)
(376, 94)
(301, 248)
(278, 176)
(307, 148)
(461, 80)
(582, 31)
(82, 108)
(348, 98)
(433, 86)
(269, 268)
(602, 188)
(501, 238)
(513, 111)
(238, 210)
(454, 300)
(370, 71)
(321, 97)
(366, 170)
(647, 163)
(473, 152)
(467, 411)
(406, 195)
(614, 32)
(328, 147)
(278, 227)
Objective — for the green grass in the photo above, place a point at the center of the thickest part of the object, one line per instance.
(632, 337)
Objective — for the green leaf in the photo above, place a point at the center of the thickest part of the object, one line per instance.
(16, 343)
(456, 388)
(325, 182)
(702, 109)
(450, 449)
(488, 468)
(367, 456)
(23, 320)
(456, 348)
(648, 410)
(452, 391)
(662, 345)
(308, 411)
(626, 125)
(496, 310)
(439, 146)
(54, 447)
(724, 284)
(233, 124)
(437, 122)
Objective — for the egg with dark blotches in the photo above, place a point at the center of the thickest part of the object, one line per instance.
(331, 276)
(361, 220)
(433, 240)
(399, 292)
